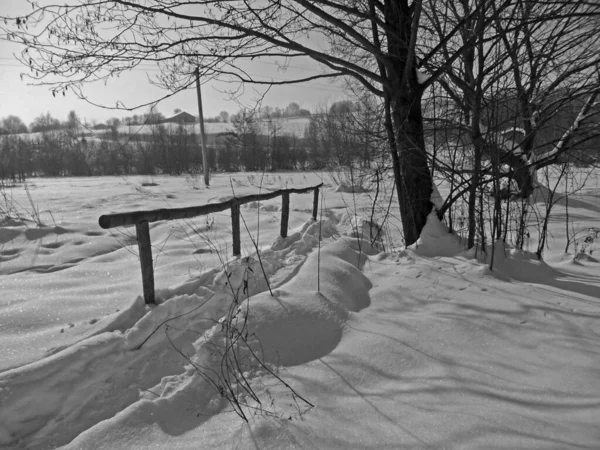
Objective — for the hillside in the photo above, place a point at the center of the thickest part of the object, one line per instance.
(292, 126)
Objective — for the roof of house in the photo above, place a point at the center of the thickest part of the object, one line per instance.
(179, 117)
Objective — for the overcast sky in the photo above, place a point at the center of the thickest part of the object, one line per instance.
(26, 101)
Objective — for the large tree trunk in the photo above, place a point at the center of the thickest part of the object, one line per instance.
(411, 170)
(414, 183)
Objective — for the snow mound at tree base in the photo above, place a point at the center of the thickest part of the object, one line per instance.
(585, 257)
(507, 263)
(518, 264)
(436, 239)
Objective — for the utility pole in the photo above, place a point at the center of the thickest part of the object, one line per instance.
(202, 136)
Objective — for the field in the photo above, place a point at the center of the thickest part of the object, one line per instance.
(70, 263)
(363, 344)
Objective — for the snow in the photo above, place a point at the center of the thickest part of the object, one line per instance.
(436, 239)
(286, 125)
(423, 347)
(422, 77)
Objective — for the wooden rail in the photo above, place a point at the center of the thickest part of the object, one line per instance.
(141, 219)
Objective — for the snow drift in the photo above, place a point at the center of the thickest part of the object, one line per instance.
(111, 373)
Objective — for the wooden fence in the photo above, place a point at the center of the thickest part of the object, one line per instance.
(141, 219)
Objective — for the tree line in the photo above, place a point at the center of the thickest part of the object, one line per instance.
(335, 136)
(13, 124)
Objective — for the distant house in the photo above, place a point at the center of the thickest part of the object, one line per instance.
(181, 117)
(100, 126)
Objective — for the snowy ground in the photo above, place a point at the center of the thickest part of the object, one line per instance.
(292, 126)
(416, 348)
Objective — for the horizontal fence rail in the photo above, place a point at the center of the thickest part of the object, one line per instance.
(134, 217)
(141, 219)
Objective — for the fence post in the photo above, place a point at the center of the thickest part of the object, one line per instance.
(235, 228)
(285, 213)
(142, 231)
(316, 204)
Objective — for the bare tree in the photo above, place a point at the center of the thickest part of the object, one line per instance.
(511, 92)
(44, 122)
(380, 44)
(375, 42)
(12, 125)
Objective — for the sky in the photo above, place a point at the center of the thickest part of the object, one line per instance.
(27, 101)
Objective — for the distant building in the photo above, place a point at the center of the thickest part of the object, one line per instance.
(181, 117)
(100, 126)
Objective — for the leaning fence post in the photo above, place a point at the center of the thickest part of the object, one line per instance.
(285, 213)
(235, 228)
(316, 204)
(143, 238)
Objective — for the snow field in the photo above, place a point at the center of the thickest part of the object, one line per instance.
(420, 348)
(67, 279)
